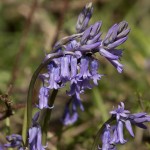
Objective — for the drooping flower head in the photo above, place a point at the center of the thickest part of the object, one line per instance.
(80, 67)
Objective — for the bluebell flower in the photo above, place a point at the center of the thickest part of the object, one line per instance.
(65, 72)
(43, 98)
(73, 65)
(35, 135)
(125, 118)
(35, 138)
(70, 115)
(107, 143)
(95, 76)
(138, 119)
(54, 74)
(84, 67)
(120, 112)
(15, 141)
(113, 133)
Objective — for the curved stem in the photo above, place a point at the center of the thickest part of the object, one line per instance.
(100, 132)
(65, 40)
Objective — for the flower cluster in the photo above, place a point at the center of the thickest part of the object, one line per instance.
(81, 69)
(14, 140)
(113, 134)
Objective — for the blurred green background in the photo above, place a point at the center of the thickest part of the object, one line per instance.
(29, 28)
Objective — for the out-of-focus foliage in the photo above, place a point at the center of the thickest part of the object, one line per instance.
(53, 20)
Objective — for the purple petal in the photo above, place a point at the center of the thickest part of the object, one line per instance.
(116, 52)
(43, 98)
(107, 54)
(73, 66)
(95, 28)
(115, 138)
(120, 132)
(117, 65)
(86, 35)
(122, 26)
(32, 134)
(141, 125)
(140, 120)
(84, 67)
(137, 115)
(123, 34)
(86, 48)
(65, 73)
(94, 40)
(129, 127)
(111, 35)
(117, 43)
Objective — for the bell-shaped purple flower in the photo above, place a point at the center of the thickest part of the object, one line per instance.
(107, 139)
(85, 84)
(75, 87)
(84, 67)
(54, 75)
(70, 115)
(120, 112)
(65, 71)
(74, 67)
(94, 65)
(117, 65)
(14, 140)
(35, 138)
(43, 98)
(139, 118)
(120, 132)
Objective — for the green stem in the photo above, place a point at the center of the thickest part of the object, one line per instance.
(100, 132)
(24, 134)
(47, 115)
